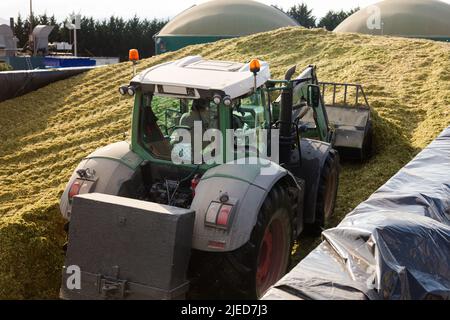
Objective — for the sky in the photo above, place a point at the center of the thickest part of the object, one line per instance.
(150, 9)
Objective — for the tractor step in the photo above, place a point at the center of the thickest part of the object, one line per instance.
(126, 249)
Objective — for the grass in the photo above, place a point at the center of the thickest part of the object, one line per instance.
(44, 134)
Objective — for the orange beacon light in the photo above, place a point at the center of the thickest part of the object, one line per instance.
(133, 55)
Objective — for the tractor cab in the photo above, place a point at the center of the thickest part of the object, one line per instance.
(207, 99)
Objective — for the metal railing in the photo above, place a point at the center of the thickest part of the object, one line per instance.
(335, 85)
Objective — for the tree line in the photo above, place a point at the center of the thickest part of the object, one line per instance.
(113, 37)
(303, 15)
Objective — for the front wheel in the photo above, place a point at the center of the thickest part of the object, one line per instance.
(327, 193)
(251, 270)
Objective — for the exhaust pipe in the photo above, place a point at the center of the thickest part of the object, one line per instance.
(286, 138)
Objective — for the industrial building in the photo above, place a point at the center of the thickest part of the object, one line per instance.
(428, 19)
(219, 19)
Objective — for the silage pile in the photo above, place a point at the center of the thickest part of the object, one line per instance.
(46, 133)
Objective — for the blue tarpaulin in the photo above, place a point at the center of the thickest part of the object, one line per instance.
(68, 62)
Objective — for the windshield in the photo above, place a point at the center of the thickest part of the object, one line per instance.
(165, 121)
(175, 113)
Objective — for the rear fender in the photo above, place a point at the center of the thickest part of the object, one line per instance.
(111, 166)
(246, 189)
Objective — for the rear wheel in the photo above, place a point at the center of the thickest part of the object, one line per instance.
(326, 197)
(274, 252)
(250, 270)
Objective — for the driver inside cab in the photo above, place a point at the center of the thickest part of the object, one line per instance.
(200, 111)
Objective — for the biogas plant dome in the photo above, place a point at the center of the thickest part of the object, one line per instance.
(406, 18)
(220, 19)
(227, 18)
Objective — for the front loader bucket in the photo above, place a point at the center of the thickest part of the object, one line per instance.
(352, 130)
(122, 248)
(349, 115)
(349, 119)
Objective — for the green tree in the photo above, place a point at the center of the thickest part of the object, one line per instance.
(19, 31)
(303, 15)
(43, 19)
(333, 18)
(111, 37)
(55, 35)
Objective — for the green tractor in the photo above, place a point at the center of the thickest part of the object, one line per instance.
(166, 206)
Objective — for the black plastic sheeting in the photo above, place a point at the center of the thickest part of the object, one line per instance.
(395, 245)
(17, 83)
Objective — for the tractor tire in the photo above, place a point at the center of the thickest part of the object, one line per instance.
(327, 193)
(249, 271)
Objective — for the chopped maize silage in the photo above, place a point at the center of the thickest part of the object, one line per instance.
(44, 134)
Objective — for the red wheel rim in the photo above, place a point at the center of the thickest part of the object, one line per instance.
(272, 260)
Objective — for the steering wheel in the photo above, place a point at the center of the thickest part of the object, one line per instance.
(175, 127)
(237, 122)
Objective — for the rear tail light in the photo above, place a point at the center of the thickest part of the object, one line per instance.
(219, 215)
(224, 215)
(211, 214)
(74, 189)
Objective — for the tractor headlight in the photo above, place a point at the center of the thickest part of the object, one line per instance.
(123, 90)
(131, 91)
(227, 101)
(217, 99)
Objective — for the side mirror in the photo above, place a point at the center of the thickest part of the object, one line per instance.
(314, 96)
